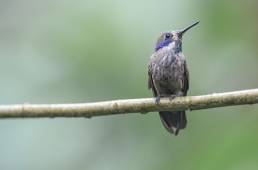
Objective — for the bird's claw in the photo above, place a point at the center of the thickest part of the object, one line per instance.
(171, 97)
(157, 100)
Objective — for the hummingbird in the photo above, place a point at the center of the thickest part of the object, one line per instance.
(169, 76)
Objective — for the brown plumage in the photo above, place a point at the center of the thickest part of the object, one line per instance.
(169, 77)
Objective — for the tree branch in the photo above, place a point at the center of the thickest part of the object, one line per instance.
(129, 106)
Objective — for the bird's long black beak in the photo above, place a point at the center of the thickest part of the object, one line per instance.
(181, 32)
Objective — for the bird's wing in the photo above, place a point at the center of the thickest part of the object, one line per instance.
(185, 77)
(185, 80)
(150, 80)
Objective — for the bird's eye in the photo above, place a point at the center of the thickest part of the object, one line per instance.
(167, 36)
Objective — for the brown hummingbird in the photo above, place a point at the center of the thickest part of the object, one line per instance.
(169, 76)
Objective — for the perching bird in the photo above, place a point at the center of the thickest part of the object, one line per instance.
(169, 77)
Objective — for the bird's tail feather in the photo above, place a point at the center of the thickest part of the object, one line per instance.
(173, 121)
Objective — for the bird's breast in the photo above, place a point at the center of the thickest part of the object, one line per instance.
(168, 67)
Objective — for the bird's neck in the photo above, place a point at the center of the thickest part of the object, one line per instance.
(163, 44)
(176, 46)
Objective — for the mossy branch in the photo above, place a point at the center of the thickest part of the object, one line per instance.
(143, 105)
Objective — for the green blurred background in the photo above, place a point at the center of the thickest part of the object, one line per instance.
(60, 51)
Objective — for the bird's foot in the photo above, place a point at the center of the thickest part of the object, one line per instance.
(171, 97)
(157, 100)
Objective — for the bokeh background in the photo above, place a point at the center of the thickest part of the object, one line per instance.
(60, 51)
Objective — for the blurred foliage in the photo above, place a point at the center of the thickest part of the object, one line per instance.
(57, 51)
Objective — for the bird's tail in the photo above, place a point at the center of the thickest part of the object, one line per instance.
(173, 121)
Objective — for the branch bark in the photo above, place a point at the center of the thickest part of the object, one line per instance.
(143, 105)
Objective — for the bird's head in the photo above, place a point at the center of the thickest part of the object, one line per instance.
(174, 37)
